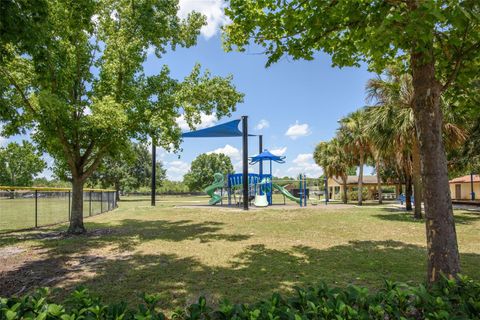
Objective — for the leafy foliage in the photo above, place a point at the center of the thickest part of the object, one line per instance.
(448, 299)
(19, 164)
(84, 91)
(204, 167)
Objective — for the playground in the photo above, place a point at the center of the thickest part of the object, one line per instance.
(183, 248)
(259, 189)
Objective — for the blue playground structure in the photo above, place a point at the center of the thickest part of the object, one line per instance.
(260, 185)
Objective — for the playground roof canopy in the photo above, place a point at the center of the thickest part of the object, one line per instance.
(265, 156)
(228, 129)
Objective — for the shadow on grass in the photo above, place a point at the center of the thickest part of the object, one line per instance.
(394, 214)
(255, 273)
(127, 234)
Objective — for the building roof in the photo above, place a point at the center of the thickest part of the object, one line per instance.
(466, 179)
(354, 180)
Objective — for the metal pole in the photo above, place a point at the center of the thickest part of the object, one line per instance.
(154, 174)
(90, 204)
(36, 208)
(101, 201)
(471, 186)
(260, 150)
(245, 161)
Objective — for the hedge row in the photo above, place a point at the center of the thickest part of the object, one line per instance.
(449, 299)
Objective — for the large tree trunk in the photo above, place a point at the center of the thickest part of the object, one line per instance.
(416, 179)
(379, 181)
(360, 182)
(442, 247)
(76, 216)
(345, 195)
(408, 192)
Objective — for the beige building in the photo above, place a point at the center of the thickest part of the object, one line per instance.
(335, 186)
(461, 187)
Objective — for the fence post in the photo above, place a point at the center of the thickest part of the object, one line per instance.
(101, 201)
(36, 208)
(69, 206)
(90, 204)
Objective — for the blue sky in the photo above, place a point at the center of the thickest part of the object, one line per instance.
(294, 104)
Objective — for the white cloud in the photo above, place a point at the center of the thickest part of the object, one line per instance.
(298, 130)
(262, 124)
(279, 151)
(176, 169)
(212, 9)
(304, 163)
(228, 150)
(206, 121)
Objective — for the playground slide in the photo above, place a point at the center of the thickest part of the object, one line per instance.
(286, 193)
(210, 190)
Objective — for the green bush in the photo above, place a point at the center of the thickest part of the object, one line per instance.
(449, 299)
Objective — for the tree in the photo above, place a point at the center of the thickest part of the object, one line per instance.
(84, 91)
(391, 127)
(354, 138)
(204, 167)
(131, 170)
(335, 162)
(436, 40)
(19, 164)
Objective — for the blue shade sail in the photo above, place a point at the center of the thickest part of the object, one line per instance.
(229, 129)
(267, 156)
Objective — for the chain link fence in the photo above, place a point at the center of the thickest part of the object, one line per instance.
(25, 208)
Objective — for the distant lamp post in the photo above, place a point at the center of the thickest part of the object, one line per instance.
(472, 193)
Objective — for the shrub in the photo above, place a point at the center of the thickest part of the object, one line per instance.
(449, 299)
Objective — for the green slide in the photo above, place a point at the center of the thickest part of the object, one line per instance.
(210, 190)
(286, 193)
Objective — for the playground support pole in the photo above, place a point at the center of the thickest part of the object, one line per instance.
(472, 193)
(154, 174)
(245, 161)
(260, 150)
(304, 190)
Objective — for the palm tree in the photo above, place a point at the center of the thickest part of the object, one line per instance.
(331, 156)
(392, 129)
(355, 140)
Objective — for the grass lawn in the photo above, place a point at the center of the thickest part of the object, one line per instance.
(186, 252)
(19, 213)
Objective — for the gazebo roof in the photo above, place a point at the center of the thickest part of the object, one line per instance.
(265, 156)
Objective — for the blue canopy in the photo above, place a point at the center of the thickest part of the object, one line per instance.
(229, 129)
(265, 156)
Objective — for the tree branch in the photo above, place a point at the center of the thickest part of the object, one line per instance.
(20, 91)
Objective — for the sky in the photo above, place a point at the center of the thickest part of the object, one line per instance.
(293, 104)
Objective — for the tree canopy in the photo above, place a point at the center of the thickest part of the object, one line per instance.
(204, 167)
(83, 92)
(20, 164)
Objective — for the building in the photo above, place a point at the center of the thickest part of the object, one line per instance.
(461, 187)
(335, 186)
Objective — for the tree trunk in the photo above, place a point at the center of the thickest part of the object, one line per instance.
(360, 182)
(416, 179)
(76, 216)
(408, 192)
(442, 247)
(397, 191)
(345, 195)
(379, 182)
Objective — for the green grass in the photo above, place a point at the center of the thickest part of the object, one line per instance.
(182, 253)
(19, 213)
